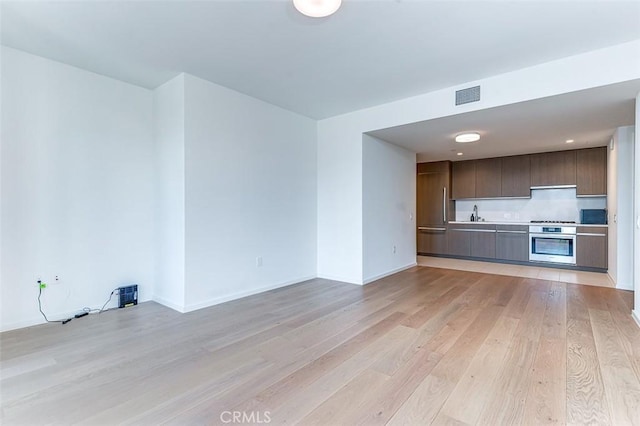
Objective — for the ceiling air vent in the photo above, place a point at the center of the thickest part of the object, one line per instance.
(464, 96)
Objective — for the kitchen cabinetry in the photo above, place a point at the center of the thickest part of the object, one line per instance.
(516, 176)
(432, 240)
(492, 178)
(434, 206)
(591, 172)
(463, 180)
(458, 242)
(553, 168)
(472, 240)
(488, 178)
(591, 247)
(512, 242)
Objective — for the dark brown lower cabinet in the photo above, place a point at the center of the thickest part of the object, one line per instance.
(472, 240)
(483, 243)
(512, 243)
(459, 242)
(432, 240)
(591, 247)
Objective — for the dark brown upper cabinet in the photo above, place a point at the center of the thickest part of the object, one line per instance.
(516, 176)
(464, 180)
(489, 178)
(591, 172)
(553, 168)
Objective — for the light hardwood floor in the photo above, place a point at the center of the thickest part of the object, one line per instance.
(425, 346)
(600, 279)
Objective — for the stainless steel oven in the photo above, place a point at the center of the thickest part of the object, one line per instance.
(553, 244)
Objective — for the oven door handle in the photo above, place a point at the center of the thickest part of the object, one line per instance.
(550, 235)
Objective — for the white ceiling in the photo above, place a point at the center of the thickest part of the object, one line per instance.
(368, 53)
(589, 117)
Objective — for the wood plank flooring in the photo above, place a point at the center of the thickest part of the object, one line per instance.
(425, 346)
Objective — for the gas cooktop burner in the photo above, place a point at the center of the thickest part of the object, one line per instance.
(553, 221)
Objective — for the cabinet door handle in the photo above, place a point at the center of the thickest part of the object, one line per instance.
(425, 228)
(473, 230)
(512, 232)
(444, 205)
(587, 234)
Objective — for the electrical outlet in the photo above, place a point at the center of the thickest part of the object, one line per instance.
(393, 250)
(259, 261)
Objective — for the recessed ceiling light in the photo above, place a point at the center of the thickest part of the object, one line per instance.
(459, 153)
(570, 141)
(468, 137)
(317, 8)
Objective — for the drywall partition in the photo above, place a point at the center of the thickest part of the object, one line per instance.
(636, 225)
(340, 142)
(169, 188)
(340, 201)
(612, 206)
(620, 207)
(77, 195)
(388, 208)
(250, 195)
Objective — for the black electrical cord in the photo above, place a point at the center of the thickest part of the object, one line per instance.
(42, 312)
(87, 310)
(101, 310)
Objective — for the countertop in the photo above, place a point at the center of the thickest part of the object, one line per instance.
(468, 222)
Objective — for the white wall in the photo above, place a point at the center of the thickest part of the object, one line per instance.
(612, 207)
(77, 195)
(250, 192)
(388, 208)
(620, 206)
(340, 145)
(169, 186)
(636, 228)
(340, 201)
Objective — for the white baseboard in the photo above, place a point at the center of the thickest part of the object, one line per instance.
(625, 286)
(169, 304)
(386, 274)
(341, 279)
(636, 316)
(241, 294)
(39, 320)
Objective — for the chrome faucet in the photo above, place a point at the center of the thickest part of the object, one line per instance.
(475, 213)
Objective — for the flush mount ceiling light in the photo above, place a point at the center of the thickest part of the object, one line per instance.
(317, 8)
(569, 141)
(468, 137)
(459, 153)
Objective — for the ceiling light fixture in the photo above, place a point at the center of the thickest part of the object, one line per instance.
(317, 8)
(459, 153)
(570, 141)
(468, 137)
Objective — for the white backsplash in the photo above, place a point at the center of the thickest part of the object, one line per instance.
(544, 204)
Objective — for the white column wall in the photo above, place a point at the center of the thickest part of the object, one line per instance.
(620, 208)
(169, 187)
(388, 208)
(250, 195)
(636, 227)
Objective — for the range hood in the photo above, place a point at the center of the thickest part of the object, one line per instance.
(554, 187)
